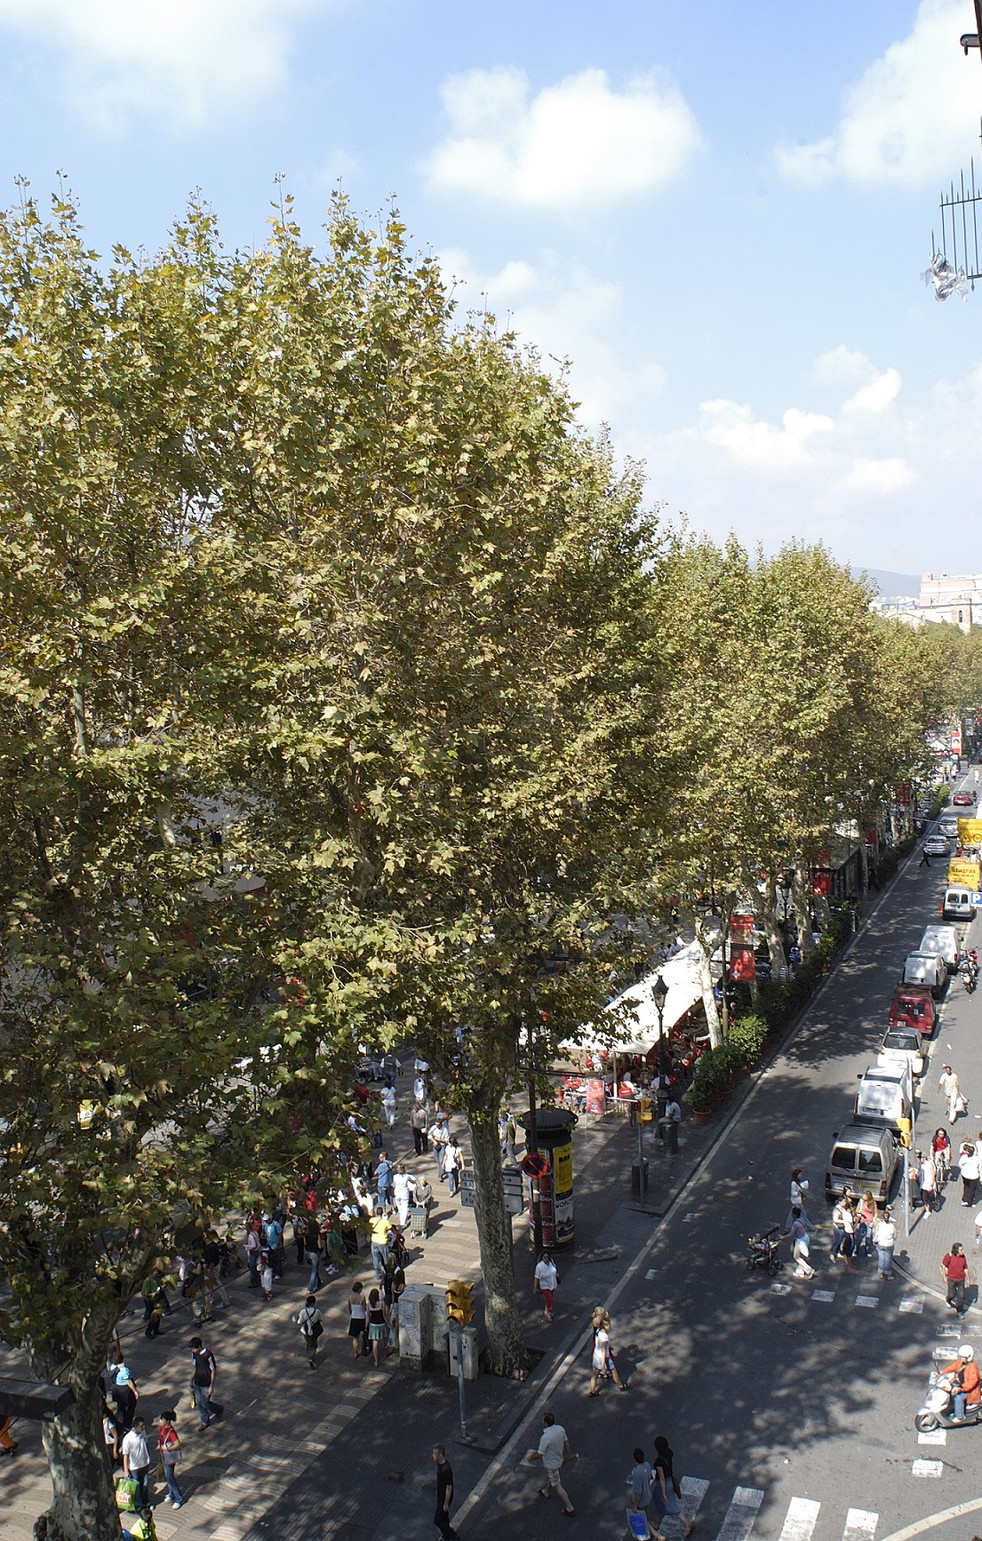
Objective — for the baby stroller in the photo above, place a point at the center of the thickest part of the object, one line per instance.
(762, 1250)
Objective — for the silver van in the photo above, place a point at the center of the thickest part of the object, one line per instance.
(926, 968)
(862, 1157)
(885, 1096)
(944, 940)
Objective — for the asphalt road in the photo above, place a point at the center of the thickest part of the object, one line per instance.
(791, 1408)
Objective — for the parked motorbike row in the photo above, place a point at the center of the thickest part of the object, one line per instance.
(968, 968)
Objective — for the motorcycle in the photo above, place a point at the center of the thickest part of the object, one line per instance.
(970, 975)
(937, 1411)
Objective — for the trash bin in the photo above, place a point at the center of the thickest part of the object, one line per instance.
(635, 1183)
(668, 1131)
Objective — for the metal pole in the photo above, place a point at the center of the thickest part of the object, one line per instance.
(533, 1145)
(662, 1062)
(640, 1154)
(906, 1192)
(461, 1383)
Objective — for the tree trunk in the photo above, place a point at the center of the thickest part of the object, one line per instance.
(802, 912)
(507, 1354)
(83, 1502)
(707, 946)
(775, 941)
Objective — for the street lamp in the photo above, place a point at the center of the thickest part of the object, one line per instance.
(659, 993)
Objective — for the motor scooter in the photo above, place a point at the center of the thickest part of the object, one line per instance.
(970, 975)
(937, 1411)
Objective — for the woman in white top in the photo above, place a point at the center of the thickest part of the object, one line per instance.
(603, 1355)
(885, 1237)
(797, 1198)
(401, 1191)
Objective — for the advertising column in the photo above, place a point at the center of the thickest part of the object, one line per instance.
(554, 1144)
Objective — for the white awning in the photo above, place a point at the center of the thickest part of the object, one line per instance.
(638, 1031)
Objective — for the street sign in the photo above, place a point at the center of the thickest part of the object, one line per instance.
(511, 1182)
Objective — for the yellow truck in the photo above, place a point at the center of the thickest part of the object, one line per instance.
(963, 873)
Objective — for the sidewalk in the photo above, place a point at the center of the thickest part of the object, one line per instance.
(345, 1451)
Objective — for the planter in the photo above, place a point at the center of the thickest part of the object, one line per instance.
(701, 1116)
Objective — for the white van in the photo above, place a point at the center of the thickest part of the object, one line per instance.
(958, 903)
(943, 940)
(926, 968)
(885, 1097)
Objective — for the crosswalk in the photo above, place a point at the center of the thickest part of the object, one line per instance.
(742, 1514)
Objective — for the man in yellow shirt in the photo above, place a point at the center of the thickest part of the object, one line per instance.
(379, 1227)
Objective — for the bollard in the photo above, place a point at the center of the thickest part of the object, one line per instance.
(668, 1131)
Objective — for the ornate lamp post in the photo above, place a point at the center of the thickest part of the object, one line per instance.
(659, 994)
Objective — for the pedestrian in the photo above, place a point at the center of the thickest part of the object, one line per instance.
(110, 1433)
(379, 1230)
(136, 1460)
(797, 1198)
(444, 1493)
(927, 1180)
(865, 1221)
(954, 1271)
(402, 1193)
(389, 1104)
(667, 1492)
(253, 1248)
(941, 1151)
(378, 1324)
(384, 1173)
(453, 1164)
(125, 1394)
(204, 1373)
(439, 1137)
(885, 1237)
(300, 1233)
(422, 1192)
(642, 1489)
(273, 1242)
(311, 1325)
(552, 1452)
(312, 1253)
(545, 1279)
(169, 1453)
(970, 1170)
(602, 1360)
(925, 860)
(948, 1085)
(799, 1245)
(418, 1120)
(357, 1318)
(843, 1228)
(265, 1275)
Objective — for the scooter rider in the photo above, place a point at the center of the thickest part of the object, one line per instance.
(966, 1381)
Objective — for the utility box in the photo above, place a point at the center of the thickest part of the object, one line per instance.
(469, 1345)
(415, 1327)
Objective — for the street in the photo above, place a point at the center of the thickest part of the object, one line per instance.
(790, 1403)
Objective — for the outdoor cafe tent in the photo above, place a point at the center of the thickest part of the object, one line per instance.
(637, 1030)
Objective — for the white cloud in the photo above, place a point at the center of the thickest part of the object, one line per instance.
(575, 144)
(843, 367)
(912, 117)
(761, 445)
(878, 477)
(184, 60)
(567, 314)
(877, 395)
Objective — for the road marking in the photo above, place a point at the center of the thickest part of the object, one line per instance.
(927, 1469)
(933, 1521)
(694, 1490)
(687, 1219)
(652, 1273)
(860, 1525)
(870, 1301)
(739, 1518)
(776, 1289)
(800, 1520)
(823, 1295)
(911, 1303)
(933, 1437)
(948, 1332)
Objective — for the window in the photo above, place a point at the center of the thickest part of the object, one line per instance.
(870, 1161)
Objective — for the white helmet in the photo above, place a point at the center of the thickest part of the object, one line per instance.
(966, 1351)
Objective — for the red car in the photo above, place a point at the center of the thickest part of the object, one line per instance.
(963, 799)
(913, 1006)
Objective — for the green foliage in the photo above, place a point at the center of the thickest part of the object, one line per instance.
(747, 1037)
(713, 1077)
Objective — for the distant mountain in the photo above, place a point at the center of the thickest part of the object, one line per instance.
(894, 585)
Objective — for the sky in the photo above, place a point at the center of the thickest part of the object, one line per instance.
(713, 217)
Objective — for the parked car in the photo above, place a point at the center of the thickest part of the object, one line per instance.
(937, 845)
(963, 800)
(903, 1044)
(913, 1006)
(959, 902)
(949, 828)
(885, 1096)
(941, 939)
(862, 1157)
(926, 968)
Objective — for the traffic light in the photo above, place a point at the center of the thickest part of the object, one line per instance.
(460, 1301)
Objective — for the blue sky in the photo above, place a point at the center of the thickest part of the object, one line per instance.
(717, 212)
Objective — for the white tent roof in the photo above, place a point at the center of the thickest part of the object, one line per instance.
(681, 974)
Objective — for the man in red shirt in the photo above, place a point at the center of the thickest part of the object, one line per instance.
(954, 1271)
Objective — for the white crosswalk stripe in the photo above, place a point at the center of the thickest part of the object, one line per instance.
(860, 1525)
(800, 1520)
(739, 1519)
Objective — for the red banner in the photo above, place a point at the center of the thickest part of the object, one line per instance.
(742, 929)
(742, 963)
